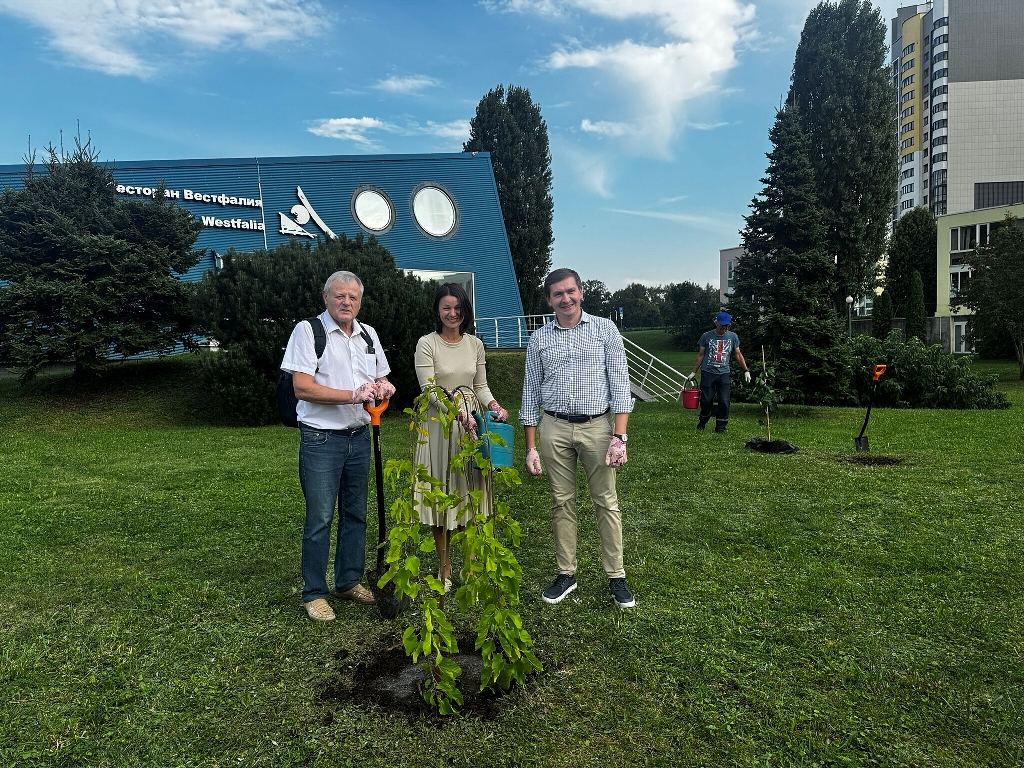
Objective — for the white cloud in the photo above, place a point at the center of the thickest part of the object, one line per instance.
(107, 35)
(351, 129)
(712, 223)
(406, 85)
(657, 79)
(606, 127)
(360, 129)
(590, 171)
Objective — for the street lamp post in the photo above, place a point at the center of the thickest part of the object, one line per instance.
(849, 316)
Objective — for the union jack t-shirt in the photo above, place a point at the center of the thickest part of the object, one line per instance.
(718, 350)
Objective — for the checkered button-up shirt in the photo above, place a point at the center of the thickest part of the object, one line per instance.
(579, 370)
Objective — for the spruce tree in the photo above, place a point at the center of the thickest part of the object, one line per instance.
(784, 280)
(90, 275)
(841, 84)
(510, 126)
(881, 315)
(917, 323)
(912, 247)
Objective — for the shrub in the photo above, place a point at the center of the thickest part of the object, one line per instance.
(254, 302)
(919, 376)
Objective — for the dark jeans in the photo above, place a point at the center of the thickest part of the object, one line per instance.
(333, 471)
(712, 386)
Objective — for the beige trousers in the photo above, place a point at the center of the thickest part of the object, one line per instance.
(561, 445)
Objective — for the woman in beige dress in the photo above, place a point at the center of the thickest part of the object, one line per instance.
(454, 359)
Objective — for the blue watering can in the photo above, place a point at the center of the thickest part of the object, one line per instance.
(487, 427)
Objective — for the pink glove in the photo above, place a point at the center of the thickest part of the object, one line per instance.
(468, 422)
(533, 461)
(364, 393)
(616, 455)
(502, 414)
(385, 390)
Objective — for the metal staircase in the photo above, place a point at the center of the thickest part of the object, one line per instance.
(650, 378)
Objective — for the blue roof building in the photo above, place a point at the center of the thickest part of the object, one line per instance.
(439, 215)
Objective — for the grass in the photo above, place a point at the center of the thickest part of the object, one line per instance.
(792, 610)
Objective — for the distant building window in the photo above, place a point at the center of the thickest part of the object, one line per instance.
(940, 56)
(434, 211)
(907, 143)
(907, 127)
(939, 140)
(908, 49)
(906, 189)
(940, 107)
(907, 112)
(938, 74)
(908, 158)
(906, 97)
(992, 193)
(908, 80)
(939, 124)
(943, 22)
(906, 205)
(940, 90)
(938, 157)
(939, 39)
(372, 209)
(908, 174)
(907, 65)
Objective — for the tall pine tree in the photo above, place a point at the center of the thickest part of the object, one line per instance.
(90, 273)
(510, 126)
(784, 280)
(917, 323)
(841, 83)
(913, 247)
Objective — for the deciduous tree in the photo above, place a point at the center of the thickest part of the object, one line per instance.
(509, 125)
(689, 311)
(995, 291)
(841, 84)
(90, 275)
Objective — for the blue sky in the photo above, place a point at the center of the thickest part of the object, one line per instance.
(658, 110)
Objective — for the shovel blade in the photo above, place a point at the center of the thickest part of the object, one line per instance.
(861, 443)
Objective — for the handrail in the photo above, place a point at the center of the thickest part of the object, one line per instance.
(648, 373)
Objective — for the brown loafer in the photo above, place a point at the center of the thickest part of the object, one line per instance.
(358, 594)
(319, 610)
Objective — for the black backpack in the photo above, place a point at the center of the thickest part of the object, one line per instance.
(287, 402)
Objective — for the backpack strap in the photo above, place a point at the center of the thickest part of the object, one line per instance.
(319, 337)
(369, 342)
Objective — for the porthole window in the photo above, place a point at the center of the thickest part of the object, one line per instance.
(372, 210)
(434, 210)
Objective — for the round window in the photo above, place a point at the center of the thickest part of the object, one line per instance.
(372, 209)
(434, 210)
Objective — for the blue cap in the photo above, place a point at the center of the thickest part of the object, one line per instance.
(723, 318)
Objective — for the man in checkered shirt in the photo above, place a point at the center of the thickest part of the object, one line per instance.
(577, 388)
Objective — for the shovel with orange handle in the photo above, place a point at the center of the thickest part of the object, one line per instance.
(860, 441)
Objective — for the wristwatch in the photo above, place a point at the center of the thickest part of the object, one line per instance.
(623, 437)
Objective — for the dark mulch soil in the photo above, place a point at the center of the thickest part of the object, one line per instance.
(389, 679)
(869, 460)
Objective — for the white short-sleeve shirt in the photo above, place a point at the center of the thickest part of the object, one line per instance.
(346, 364)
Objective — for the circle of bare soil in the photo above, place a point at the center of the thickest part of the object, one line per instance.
(387, 678)
(870, 460)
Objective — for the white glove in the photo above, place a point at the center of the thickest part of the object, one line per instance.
(616, 455)
(364, 393)
(533, 462)
(501, 413)
(692, 377)
(385, 390)
(746, 376)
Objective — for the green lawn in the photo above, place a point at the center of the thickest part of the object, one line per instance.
(792, 610)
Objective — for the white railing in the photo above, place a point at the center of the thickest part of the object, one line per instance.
(656, 379)
(651, 375)
(512, 332)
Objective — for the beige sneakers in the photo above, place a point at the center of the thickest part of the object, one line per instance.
(319, 610)
(358, 594)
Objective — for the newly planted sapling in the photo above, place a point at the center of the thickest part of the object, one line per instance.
(490, 575)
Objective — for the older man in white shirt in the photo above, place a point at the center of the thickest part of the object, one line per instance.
(334, 447)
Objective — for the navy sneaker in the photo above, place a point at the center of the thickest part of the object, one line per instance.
(621, 594)
(559, 589)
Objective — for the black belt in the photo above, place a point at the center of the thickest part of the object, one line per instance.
(576, 418)
(353, 432)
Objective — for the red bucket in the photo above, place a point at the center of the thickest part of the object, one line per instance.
(691, 398)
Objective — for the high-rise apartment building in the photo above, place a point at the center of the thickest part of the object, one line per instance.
(958, 75)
